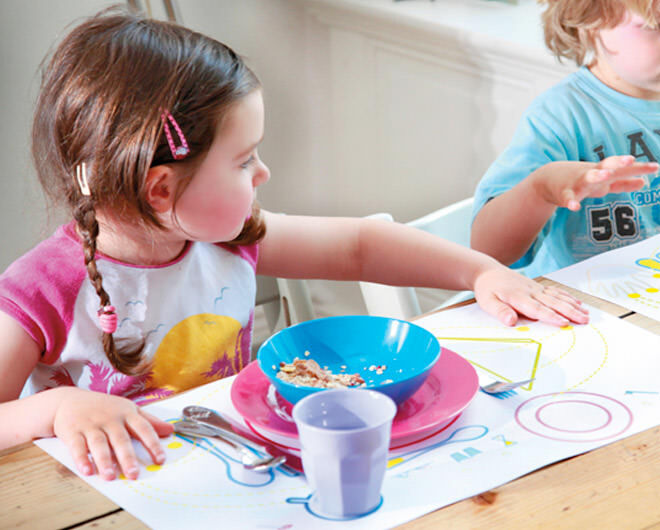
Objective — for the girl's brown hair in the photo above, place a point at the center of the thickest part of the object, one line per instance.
(102, 95)
(569, 25)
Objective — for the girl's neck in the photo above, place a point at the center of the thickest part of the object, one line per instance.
(135, 244)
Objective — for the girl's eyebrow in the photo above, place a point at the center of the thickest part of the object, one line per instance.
(248, 150)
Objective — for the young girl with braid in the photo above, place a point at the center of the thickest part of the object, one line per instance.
(148, 132)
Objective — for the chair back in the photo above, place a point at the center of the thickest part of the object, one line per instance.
(452, 223)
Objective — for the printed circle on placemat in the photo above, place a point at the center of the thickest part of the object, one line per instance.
(574, 417)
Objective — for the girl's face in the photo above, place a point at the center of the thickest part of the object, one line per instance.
(218, 200)
(628, 58)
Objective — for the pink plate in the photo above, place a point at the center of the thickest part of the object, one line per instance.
(449, 388)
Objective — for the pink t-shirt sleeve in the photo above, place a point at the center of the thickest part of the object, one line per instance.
(39, 290)
(249, 253)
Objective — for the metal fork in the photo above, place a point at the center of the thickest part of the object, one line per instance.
(500, 389)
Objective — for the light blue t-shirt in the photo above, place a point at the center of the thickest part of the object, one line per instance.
(582, 119)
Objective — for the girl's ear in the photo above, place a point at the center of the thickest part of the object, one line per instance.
(160, 188)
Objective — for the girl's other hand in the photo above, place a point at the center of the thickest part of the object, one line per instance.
(505, 294)
(102, 425)
(566, 184)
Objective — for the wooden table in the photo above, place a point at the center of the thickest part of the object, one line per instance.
(616, 486)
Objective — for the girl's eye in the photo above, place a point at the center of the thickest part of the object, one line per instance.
(247, 163)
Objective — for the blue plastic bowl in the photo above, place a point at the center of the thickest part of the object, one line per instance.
(357, 343)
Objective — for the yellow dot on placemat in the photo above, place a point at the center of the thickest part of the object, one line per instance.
(634, 295)
(566, 327)
(652, 290)
(153, 467)
(523, 328)
(656, 275)
(394, 461)
(174, 445)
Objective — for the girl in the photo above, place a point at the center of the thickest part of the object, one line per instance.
(149, 132)
(568, 185)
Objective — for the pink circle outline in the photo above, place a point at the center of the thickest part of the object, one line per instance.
(607, 421)
(528, 429)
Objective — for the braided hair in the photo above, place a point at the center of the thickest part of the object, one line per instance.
(102, 95)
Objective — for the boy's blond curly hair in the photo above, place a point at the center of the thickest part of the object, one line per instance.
(569, 25)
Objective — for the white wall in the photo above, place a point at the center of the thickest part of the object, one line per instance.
(267, 32)
(27, 31)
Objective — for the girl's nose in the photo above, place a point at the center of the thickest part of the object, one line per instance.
(261, 175)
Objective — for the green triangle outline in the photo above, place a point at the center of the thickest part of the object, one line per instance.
(504, 340)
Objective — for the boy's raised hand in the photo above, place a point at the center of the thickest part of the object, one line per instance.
(102, 425)
(505, 294)
(565, 184)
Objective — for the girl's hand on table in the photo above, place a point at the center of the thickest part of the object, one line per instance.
(102, 425)
(505, 294)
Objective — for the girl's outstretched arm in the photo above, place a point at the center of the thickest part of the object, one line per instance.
(396, 254)
(87, 422)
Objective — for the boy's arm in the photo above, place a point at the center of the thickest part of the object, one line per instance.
(508, 224)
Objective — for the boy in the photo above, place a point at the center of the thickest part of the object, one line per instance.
(569, 185)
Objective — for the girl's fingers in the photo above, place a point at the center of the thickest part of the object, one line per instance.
(79, 452)
(495, 307)
(163, 428)
(536, 310)
(123, 450)
(97, 442)
(560, 293)
(564, 306)
(142, 430)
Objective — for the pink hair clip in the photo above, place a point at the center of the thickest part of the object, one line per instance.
(108, 319)
(178, 152)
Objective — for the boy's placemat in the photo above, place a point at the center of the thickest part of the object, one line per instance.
(628, 276)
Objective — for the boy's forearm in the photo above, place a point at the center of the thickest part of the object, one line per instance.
(506, 226)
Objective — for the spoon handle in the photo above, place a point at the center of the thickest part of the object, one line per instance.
(206, 416)
(212, 420)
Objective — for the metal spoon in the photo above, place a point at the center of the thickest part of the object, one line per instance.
(206, 416)
(211, 418)
(249, 459)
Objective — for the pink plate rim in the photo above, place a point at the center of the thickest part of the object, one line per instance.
(450, 387)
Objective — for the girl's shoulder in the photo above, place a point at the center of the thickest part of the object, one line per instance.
(59, 255)
(249, 253)
(42, 285)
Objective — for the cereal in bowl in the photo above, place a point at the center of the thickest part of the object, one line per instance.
(307, 372)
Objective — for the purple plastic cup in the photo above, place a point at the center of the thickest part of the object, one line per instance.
(344, 440)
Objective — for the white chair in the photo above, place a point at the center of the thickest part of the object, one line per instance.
(284, 301)
(451, 223)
